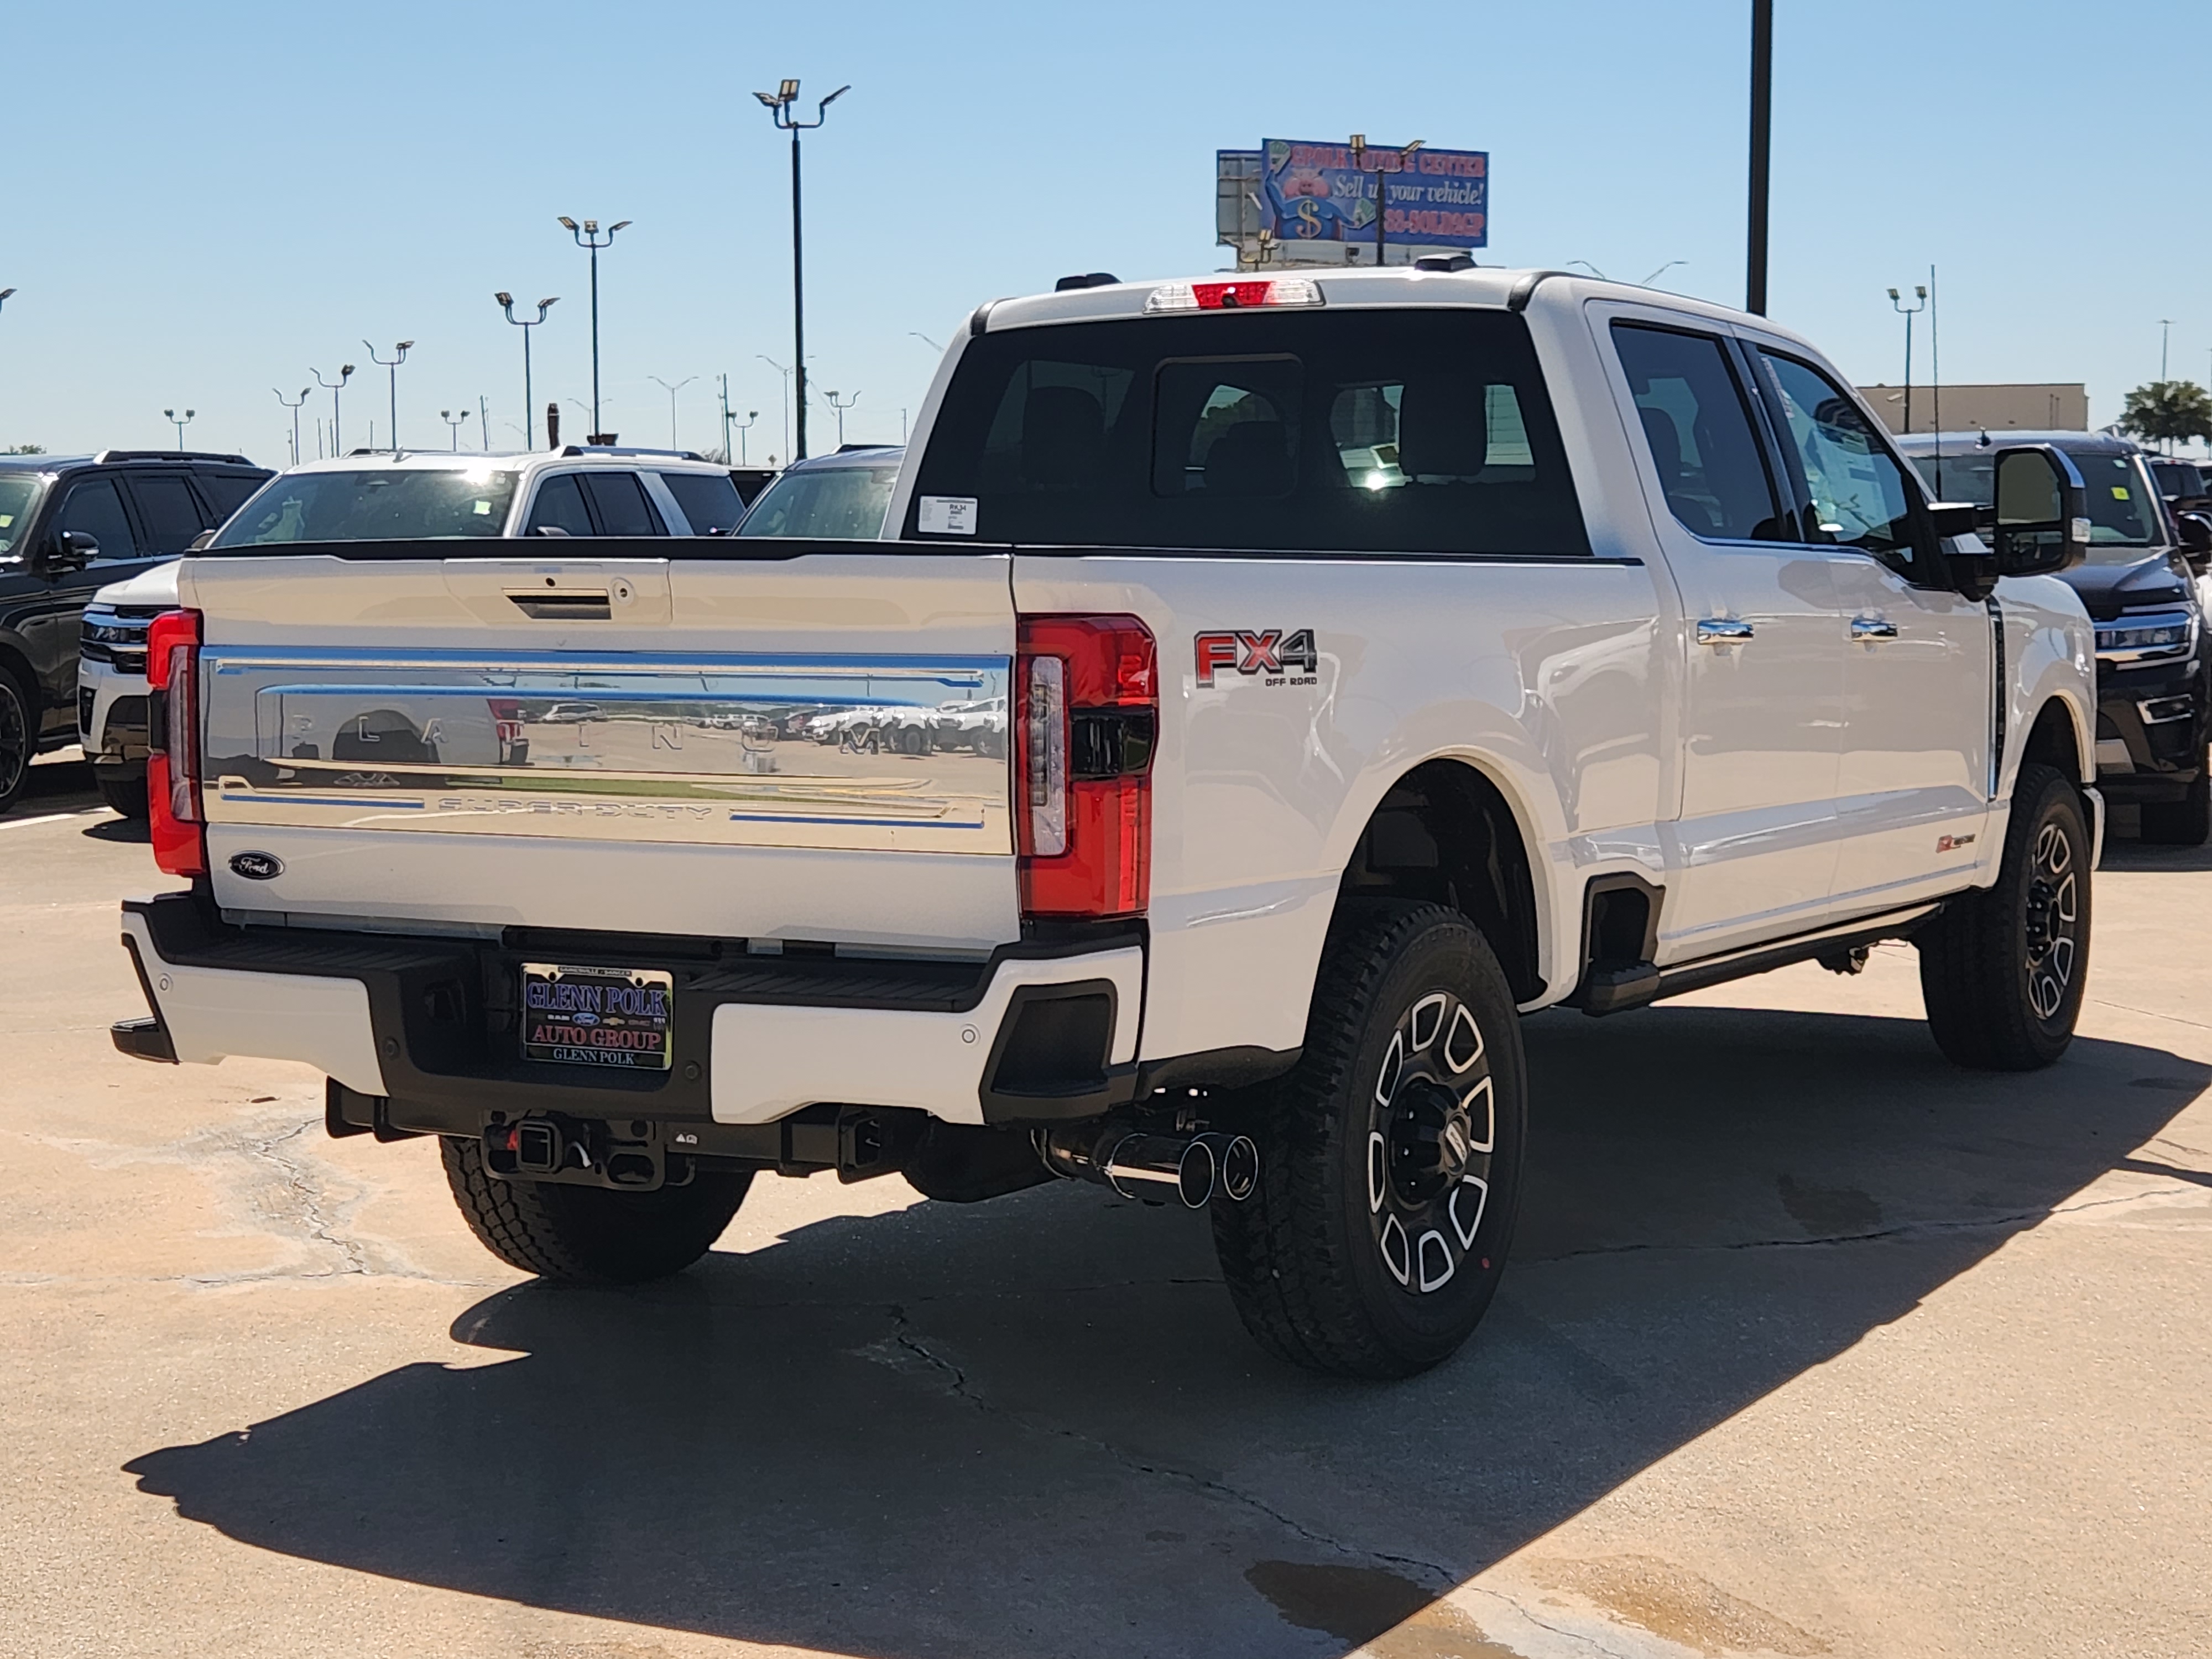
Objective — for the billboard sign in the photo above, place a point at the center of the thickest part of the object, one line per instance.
(1434, 198)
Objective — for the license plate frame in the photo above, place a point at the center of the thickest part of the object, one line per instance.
(593, 1014)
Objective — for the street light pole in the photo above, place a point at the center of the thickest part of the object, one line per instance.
(1762, 134)
(1381, 171)
(743, 427)
(346, 373)
(841, 408)
(671, 390)
(454, 422)
(294, 407)
(528, 405)
(2165, 339)
(180, 425)
(1909, 311)
(778, 104)
(399, 357)
(587, 235)
(785, 373)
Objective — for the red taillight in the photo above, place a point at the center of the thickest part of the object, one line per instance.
(1234, 296)
(172, 761)
(1086, 718)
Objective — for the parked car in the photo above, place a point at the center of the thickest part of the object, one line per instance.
(572, 491)
(69, 525)
(840, 497)
(2139, 582)
(1388, 654)
(2181, 484)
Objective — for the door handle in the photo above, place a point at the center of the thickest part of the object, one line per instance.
(1872, 627)
(1722, 631)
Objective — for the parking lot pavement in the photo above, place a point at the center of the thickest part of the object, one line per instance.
(1813, 1346)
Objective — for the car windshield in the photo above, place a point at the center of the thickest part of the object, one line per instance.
(374, 504)
(19, 499)
(833, 503)
(2123, 520)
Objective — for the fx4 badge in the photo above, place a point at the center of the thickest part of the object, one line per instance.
(1273, 654)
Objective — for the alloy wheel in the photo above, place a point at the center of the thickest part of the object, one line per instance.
(1432, 1134)
(2053, 921)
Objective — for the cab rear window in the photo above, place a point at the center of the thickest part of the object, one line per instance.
(1380, 432)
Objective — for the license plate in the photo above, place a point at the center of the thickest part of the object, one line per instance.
(598, 1015)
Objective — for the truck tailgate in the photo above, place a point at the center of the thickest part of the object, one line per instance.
(808, 742)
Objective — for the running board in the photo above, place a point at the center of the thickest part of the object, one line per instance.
(1633, 985)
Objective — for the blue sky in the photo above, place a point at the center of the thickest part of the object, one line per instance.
(204, 201)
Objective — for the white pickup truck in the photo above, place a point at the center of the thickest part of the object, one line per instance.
(1384, 656)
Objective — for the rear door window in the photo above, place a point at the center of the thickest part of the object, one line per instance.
(1381, 431)
(168, 510)
(1698, 430)
(709, 500)
(618, 502)
(225, 492)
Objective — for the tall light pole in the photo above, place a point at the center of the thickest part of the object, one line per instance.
(529, 404)
(841, 408)
(1909, 311)
(2165, 339)
(779, 103)
(785, 373)
(671, 390)
(743, 427)
(588, 235)
(1381, 170)
(346, 373)
(453, 423)
(399, 357)
(181, 424)
(4, 292)
(293, 405)
(1762, 136)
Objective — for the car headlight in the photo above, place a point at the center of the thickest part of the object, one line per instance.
(2148, 637)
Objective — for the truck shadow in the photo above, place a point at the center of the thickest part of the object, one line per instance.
(1035, 1426)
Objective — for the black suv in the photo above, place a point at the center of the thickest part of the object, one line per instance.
(2138, 585)
(70, 525)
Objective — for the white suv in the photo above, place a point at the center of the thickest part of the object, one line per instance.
(571, 491)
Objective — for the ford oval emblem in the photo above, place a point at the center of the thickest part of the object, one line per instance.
(257, 866)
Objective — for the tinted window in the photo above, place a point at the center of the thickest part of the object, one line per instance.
(618, 502)
(168, 510)
(2178, 479)
(559, 506)
(709, 500)
(1698, 427)
(1383, 431)
(374, 504)
(830, 503)
(227, 492)
(95, 506)
(1857, 489)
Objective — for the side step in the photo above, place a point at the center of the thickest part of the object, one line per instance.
(1617, 987)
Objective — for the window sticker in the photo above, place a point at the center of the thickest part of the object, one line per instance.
(947, 515)
(484, 509)
(2119, 492)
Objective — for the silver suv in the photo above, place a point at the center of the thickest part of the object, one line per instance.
(572, 491)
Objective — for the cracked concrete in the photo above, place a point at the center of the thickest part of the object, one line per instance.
(266, 1395)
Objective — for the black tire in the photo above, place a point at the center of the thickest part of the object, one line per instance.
(2002, 971)
(18, 736)
(591, 1235)
(124, 790)
(1376, 1137)
(2184, 822)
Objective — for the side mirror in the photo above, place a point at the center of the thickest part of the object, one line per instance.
(73, 549)
(2196, 532)
(2043, 513)
(200, 541)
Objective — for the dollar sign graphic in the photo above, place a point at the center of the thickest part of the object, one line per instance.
(1309, 219)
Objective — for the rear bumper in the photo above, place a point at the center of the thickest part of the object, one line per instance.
(428, 1025)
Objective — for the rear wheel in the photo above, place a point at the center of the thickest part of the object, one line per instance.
(1390, 1157)
(2184, 822)
(590, 1235)
(19, 736)
(2002, 971)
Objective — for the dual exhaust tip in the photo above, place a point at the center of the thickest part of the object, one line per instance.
(1150, 1167)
